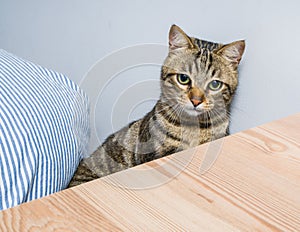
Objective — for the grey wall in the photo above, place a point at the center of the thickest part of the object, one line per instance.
(72, 36)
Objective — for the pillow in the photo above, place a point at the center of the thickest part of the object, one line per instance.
(44, 130)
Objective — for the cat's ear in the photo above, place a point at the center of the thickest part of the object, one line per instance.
(233, 52)
(178, 39)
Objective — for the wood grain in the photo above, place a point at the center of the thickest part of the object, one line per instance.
(254, 185)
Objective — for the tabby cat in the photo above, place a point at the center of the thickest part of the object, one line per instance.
(198, 82)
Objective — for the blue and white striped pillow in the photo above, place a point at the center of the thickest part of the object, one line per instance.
(44, 130)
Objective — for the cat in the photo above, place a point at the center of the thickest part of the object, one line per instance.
(198, 82)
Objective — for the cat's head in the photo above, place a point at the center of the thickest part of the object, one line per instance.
(199, 76)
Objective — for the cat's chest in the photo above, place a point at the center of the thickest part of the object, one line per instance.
(192, 137)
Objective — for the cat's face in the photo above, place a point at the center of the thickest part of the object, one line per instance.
(199, 77)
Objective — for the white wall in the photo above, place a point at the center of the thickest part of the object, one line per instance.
(71, 36)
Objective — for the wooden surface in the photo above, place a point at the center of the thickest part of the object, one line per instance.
(254, 185)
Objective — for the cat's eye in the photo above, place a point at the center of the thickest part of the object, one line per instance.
(183, 79)
(215, 85)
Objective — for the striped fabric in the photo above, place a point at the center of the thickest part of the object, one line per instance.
(44, 128)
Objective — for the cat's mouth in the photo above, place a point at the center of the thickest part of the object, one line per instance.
(196, 111)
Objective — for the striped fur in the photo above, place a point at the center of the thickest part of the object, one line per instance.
(186, 115)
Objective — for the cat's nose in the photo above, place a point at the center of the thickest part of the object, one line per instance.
(196, 101)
